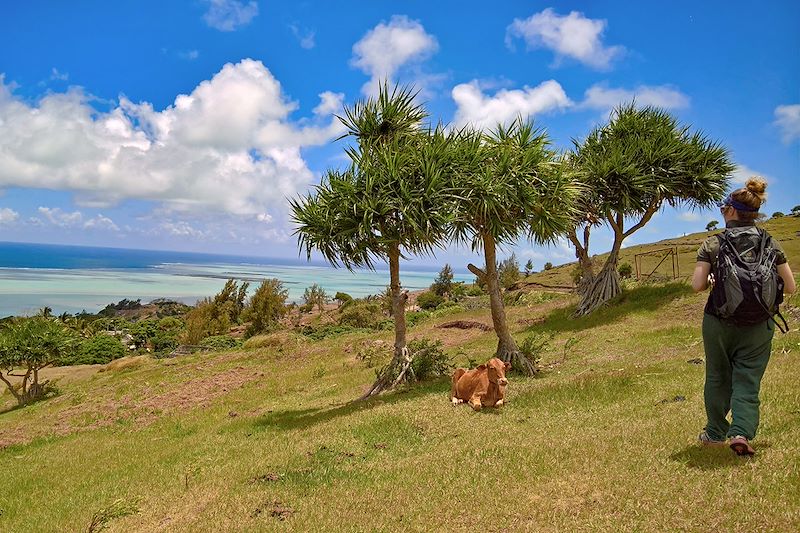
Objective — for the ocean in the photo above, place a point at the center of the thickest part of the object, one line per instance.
(77, 278)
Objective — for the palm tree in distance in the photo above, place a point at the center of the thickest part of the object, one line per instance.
(389, 203)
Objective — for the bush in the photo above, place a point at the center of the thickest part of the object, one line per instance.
(429, 300)
(508, 271)
(221, 342)
(318, 333)
(458, 292)
(342, 298)
(266, 307)
(475, 290)
(443, 284)
(315, 295)
(415, 317)
(576, 274)
(625, 270)
(373, 353)
(533, 346)
(429, 361)
(447, 310)
(548, 266)
(778, 214)
(361, 314)
(99, 350)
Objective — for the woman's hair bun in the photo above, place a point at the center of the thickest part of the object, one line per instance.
(756, 185)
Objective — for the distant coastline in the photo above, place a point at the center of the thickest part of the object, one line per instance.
(70, 278)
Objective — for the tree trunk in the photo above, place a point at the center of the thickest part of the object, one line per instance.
(584, 261)
(604, 286)
(507, 349)
(400, 365)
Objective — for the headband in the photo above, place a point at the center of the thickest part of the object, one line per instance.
(739, 206)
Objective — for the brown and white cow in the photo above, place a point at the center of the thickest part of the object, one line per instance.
(484, 386)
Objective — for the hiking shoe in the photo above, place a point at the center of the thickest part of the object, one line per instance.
(705, 440)
(741, 446)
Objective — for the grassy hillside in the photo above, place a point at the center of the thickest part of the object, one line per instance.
(265, 439)
(784, 229)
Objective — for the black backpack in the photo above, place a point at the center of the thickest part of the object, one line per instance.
(747, 288)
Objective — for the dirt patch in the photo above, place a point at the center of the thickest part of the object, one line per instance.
(466, 324)
(273, 508)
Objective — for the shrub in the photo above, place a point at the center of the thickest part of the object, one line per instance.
(99, 350)
(447, 310)
(361, 314)
(221, 342)
(508, 271)
(429, 300)
(625, 270)
(548, 266)
(443, 284)
(415, 317)
(458, 292)
(475, 290)
(318, 333)
(777, 214)
(711, 226)
(342, 298)
(373, 353)
(533, 346)
(266, 307)
(576, 274)
(315, 295)
(429, 361)
(203, 321)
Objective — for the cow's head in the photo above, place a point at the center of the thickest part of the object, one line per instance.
(497, 371)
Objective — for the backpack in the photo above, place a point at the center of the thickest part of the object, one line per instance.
(747, 288)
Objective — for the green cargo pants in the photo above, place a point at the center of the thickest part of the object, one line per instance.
(736, 357)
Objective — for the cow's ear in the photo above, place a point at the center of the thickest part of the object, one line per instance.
(481, 367)
(508, 365)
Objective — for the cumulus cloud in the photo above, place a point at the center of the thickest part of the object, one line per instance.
(101, 222)
(228, 146)
(60, 218)
(329, 103)
(787, 118)
(689, 216)
(229, 15)
(573, 36)
(388, 47)
(473, 106)
(8, 215)
(605, 98)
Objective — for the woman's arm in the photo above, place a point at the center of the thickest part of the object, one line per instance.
(700, 276)
(789, 285)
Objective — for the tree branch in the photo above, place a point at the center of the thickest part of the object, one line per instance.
(477, 271)
(573, 238)
(10, 387)
(651, 210)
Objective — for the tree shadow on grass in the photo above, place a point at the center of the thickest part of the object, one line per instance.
(644, 298)
(290, 419)
(710, 457)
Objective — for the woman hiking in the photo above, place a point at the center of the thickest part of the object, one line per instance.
(738, 322)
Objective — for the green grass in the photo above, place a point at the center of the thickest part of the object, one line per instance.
(603, 440)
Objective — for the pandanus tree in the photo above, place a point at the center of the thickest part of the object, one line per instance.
(509, 186)
(391, 202)
(640, 161)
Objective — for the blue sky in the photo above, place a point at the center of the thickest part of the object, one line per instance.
(185, 125)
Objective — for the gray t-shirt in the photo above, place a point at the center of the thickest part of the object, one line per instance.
(709, 250)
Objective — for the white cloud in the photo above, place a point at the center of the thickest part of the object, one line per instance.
(744, 173)
(58, 217)
(388, 47)
(229, 15)
(181, 229)
(689, 216)
(605, 98)
(100, 222)
(787, 118)
(228, 146)
(329, 103)
(8, 215)
(473, 106)
(304, 36)
(573, 36)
